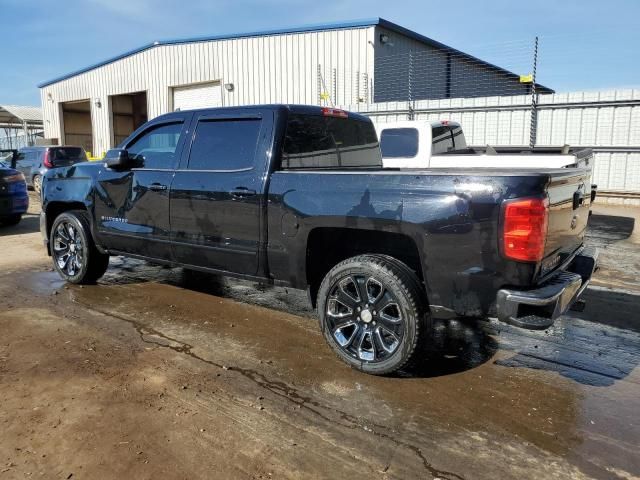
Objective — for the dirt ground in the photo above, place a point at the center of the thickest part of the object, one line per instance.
(158, 373)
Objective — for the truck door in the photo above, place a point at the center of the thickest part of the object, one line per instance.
(132, 206)
(217, 194)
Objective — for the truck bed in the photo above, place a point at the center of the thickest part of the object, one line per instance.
(514, 157)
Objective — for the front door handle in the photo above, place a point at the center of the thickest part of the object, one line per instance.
(157, 187)
(242, 192)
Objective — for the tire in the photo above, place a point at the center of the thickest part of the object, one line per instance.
(75, 256)
(37, 183)
(373, 313)
(10, 221)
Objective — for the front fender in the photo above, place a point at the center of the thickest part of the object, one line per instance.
(67, 188)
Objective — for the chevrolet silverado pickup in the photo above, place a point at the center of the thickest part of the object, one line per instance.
(296, 196)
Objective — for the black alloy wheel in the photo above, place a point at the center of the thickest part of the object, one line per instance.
(75, 256)
(372, 313)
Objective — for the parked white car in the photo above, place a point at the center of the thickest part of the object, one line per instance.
(442, 144)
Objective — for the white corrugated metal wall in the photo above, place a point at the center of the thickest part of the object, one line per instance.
(607, 121)
(279, 68)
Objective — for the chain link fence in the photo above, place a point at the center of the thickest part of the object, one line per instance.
(20, 140)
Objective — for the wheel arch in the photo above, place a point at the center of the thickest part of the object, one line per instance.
(328, 246)
(54, 209)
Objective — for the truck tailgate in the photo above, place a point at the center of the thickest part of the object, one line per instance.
(569, 194)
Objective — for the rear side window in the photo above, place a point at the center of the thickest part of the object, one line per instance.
(314, 141)
(399, 142)
(225, 144)
(447, 139)
(71, 154)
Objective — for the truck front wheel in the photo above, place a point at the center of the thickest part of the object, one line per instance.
(373, 313)
(75, 256)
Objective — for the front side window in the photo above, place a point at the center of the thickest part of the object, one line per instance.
(225, 144)
(156, 148)
(399, 143)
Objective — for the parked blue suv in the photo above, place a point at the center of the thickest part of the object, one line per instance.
(14, 200)
(33, 162)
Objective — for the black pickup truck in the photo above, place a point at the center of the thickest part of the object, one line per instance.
(296, 196)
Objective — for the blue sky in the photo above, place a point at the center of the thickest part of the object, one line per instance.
(585, 45)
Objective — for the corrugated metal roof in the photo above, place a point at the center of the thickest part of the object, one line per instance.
(377, 21)
(19, 113)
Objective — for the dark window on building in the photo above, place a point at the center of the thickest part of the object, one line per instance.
(399, 142)
(314, 141)
(156, 147)
(225, 144)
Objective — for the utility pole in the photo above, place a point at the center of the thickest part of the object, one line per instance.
(410, 89)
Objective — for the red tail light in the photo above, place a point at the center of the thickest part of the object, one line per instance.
(46, 160)
(334, 112)
(524, 230)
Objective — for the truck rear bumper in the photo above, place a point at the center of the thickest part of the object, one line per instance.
(537, 309)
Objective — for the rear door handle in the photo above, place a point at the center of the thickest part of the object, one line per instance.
(242, 192)
(157, 187)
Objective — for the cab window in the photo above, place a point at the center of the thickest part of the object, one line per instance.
(399, 142)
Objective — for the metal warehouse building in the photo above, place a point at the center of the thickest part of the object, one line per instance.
(335, 64)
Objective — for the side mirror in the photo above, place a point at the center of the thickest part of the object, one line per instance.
(118, 159)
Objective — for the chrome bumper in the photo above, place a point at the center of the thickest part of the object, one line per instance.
(537, 309)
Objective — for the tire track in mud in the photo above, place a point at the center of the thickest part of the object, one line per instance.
(280, 389)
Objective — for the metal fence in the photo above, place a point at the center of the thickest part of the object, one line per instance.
(19, 141)
(606, 121)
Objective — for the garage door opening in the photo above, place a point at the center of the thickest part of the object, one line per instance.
(76, 121)
(200, 95)
(128, 112)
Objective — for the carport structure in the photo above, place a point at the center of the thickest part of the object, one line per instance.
(19, 125)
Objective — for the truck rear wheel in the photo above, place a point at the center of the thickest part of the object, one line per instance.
(373, 313)
(75, 256)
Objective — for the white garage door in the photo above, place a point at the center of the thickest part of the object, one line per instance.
(203, 95)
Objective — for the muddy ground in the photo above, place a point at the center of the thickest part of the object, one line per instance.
(157, 373)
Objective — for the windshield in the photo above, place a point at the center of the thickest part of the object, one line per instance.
(63, 154)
